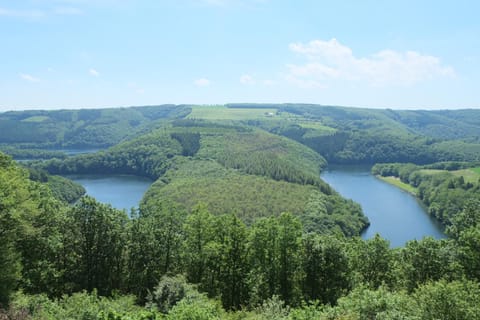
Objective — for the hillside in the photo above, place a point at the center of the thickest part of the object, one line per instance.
(230, 168)
(84, 128)
(366, 136)
(210, 236)
(340, 134)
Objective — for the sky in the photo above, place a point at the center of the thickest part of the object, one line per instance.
(407, 54)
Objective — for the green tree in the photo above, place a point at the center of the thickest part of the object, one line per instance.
(234, 256)
(371, 261)
(199, 232)
(289, 244)
(325, 269)
(155, 240)
(448, 300)
(264, 259)
(427, 260)
(97, 242)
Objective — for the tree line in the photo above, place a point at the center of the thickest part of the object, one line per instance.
(179, 264)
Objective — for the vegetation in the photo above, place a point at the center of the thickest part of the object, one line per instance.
(80, 128)
(445, 188)
(230, 168)
(89, 261)
(367, 136)
(238, 224)
(250, 197)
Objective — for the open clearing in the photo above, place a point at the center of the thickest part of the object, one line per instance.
(224, 113)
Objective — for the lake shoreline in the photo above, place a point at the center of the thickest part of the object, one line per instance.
(394, 213)
(394, 181)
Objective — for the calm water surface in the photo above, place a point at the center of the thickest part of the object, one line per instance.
(121, 191)
(395, 214)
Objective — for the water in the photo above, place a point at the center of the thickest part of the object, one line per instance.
(121, 191)
(393, 213)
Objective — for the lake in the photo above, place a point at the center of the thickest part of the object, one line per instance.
(121, 191)
(393, 213)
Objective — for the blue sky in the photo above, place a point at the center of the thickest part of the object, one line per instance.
(102, 53)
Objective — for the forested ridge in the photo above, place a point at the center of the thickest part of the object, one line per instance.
(238, 223)
(230, 168)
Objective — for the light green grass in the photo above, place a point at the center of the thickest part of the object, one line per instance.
(224, 113)
(36, 119)
(469, 175)
(431, 171)
(317, 126)
(397, 183)
(476, 170)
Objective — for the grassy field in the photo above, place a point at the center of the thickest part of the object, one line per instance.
(396, 182)
(224, 113)
(36, 119)
(317, 125)
(431, 171)
(476, 170)
(469, 175)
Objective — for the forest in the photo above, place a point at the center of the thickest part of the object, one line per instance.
(238, 223)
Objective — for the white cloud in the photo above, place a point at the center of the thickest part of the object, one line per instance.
(28, 77)
(93, 72)
(202, 82)
(247, 79)
(22, 13)
(329, 60)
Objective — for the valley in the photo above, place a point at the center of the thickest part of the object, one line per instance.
(240, 204)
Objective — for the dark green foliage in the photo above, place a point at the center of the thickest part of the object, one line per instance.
(233, 265)
(442, 189)
(190, 182)
(428, 260)
(240, 259)
(190, 142)
(326, 269)
(153, 246)
(64, 189)
(29, 154)
(20, 200)
(372, 262)
(448, 300)
(260, 153)
(168, 292)
(82, 128)
(96, 238)
(146, 156)
(368, 136)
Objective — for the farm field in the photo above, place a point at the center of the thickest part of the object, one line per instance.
(224, 113)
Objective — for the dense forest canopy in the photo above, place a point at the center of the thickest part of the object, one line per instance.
(238, 223)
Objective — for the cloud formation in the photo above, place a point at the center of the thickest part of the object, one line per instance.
(21, 13)
(93, 72)
(202, 82)
(28, 77)
(331, 60)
